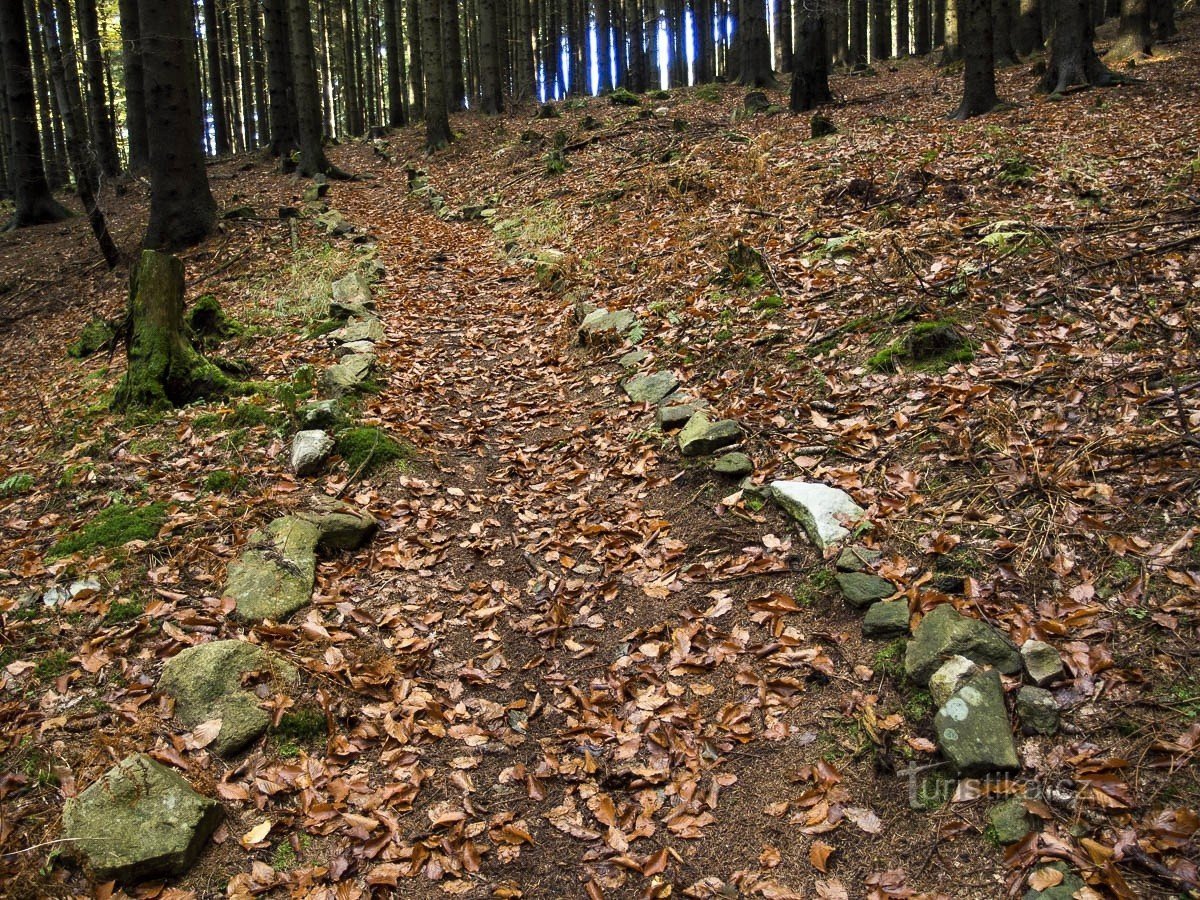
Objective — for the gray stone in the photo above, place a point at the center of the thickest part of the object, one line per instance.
(949, 678)
(1064, 890)
(886, 620)
(274, 577)
(334, 223)
(321, 414)
(349, 373)
(973, 730)
(651, 388)
(668, 418)
(359, 329)
(314, 192)
(206, 682)
(1037, 710)
(601, 326)
(54, 596)
(340, 526)
(1043, 665)
(857, 559)
(735, 465)
(1010, 821)
(700, 436)
(822, 511)
(365, 348)
(351, 297)
(84, 588)
(944, 632)
(310, 449)
(633, 359)
(862, 588)
(141, 820)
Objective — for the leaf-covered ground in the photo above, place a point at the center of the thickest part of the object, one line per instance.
(574, 664)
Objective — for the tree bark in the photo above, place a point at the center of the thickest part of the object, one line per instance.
(163, 370)
(280, 90)
(1072, 59)
(308, 102)
(1027, 32)
(135, 89)
(902, 28)
(437, 121)
(881, 30)
(249, 130)
(491, 94)
(637, 47)
(104, 141)
(412, 12)
(979, 72)
(858, 34)
(35, 205)
(951, 50)
(603, 46)
(452, 47)
(922, 33)
(1133, 34)
(216, 87)
(810, 67)
(1162, 19)
(754, 48)
(783, 33)
(1003, 53)
(395, 57)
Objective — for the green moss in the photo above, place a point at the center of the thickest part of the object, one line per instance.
(52, 665)
(251, 414)
(709, 92)
(221, 481)
(114, 527)
(207, 323)
(366, 449)
(622, 97)
(918, 705)
(890, 660)
(96, 335)
(304, 724)
(769, 303)
(122, 611)
(928, 346)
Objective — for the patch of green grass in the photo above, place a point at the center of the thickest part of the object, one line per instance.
(53, 664)
(622, 97)
(122, 611)
(113, 527)
(1015, 170)
(365, 449)
(917, 705)
(250, 414)
(769, 303)
(890, 659)
(817, 585)
(532, 227)
(284, 858)
(16, 484)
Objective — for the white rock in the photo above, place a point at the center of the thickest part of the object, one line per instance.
(946, 680)
(822, 511)
(309, 451)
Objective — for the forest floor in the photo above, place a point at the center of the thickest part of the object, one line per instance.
(574, 664)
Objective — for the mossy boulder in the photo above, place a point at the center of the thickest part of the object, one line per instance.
(274, 577)
(861, 589)
(207, 682)
(886, 620)
(366, 449)
(351, 297)
(96, 335)
(652, 388)
(141, 820)
(1009, 821)
(927, 345)
(348, 374)
(945, 632)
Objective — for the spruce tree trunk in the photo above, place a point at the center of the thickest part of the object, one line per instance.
(837, 24)
(491, 95)
(1133, 34)
(395, 53)
(54, 159)
(616, 10)
(437, 121)
(810, 67)
(456, 92)
(637, 47)
(951, 51)
(1027, 32)
(308, 101)
(881, 29)
(182, 209)
(1003, 53)
(679, 69)
(280, 90)
(902, 28)
(163, 368)
(262, 117)
(603, 47)
(135, 87)
(922, 33)
(754, 48)
(104, 141)
(858, 34)
(938, 14)
(216, 87)
(35, 204)
(229, 77)
(249, 131)
(1072, 59)
(524, 83)
(783, 34)
(1162, 19)
(975, 24)
(412, 12)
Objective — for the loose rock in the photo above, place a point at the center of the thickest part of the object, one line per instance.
(822, 511)
(1064, 890)
(1042, 662)
(861, 589)
(633, 359)
(310, 449)
(601, 326)
(351, 297)
(349, 373)
(700, 436)
(365, 348)
(340, 526)
(950, 677)
(668, 418)
(886, 620)
(1010, 821)
(973, 730)
(1037, 710)
(141, 820)
(735, 465)
(857, 559)
(274, 578)
(651, 388)
(322, 414)
(944, 632)
(362, 329)
(206, 682)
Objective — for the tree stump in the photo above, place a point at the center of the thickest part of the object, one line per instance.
(164, 368)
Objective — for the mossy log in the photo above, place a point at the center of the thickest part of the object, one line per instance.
(164, 368)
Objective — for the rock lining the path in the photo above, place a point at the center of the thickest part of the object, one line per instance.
(364, 348)
(351, 297)
(822, 511)
(1037, 710)
(886, 620)
(944, 632)
(274, 577)
(733, 465)
(973, 730)
(323, 414)
(669, 418)
(141, 820)
(861, 589)
(857, 559)
(310, 449)
(601, 326)
(1042, 663)
(700, 436)
(358, 329)
(206, 683)
(949, 678)
(653, 388)
(349, 373)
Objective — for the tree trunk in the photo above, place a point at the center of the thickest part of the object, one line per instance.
(452, 47)
(182, 209)
(902, 28)
(1133, 35)
(979, 72)
(437, 121)
(280, 90)
(603, 47)
(783, 34)
(164, 370)
(308, 102)
(858, 34)
(135, 89)
(216, 88)
(754, 48)
(250, 132)
(395, 54)
(1072, 59)
(1003, 53)
(524, 82)
(412, 12)
(951, 51)
(1027, 32)
(104, 141)
(837, 27)
(1162, 19)
(70, 103)
(230, 78)
(938, 14)
(35, 204)
(810, 67)
(881, 29)
(922, 34)
(491, 95)
(637, 46)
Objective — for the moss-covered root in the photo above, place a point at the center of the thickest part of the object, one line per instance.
(164, 368)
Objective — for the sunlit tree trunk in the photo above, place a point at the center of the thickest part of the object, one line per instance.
(1072, 58)
(1133, 35)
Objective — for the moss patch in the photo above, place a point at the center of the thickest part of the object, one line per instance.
(304, 724)
(122, 611)
(96, 335)
(928, 345)
(366, 449)
(113, 527)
